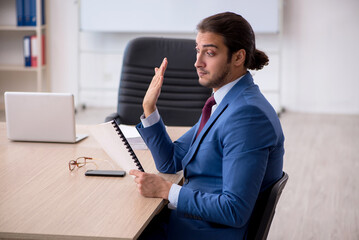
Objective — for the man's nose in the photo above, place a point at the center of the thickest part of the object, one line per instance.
(199, 62)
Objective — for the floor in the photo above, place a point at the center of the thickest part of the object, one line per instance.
(321, 198)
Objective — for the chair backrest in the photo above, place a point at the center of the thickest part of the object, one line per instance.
(182, 97)
(264, 210)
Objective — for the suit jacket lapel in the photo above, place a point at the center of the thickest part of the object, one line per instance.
(236, 90)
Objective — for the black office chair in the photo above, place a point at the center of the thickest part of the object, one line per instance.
(264, 210)
(182, 97)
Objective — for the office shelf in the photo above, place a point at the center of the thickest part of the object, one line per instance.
(11, 52)
(20, 28)
(20, 68)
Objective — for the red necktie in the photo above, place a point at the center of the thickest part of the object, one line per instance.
(206, 113)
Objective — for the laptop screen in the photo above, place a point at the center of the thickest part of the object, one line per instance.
(44, 117)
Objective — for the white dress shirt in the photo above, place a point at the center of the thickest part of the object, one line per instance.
(155, 117)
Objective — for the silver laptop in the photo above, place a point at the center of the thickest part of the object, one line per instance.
(41, 117)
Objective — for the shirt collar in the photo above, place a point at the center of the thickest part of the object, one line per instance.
(222, 92)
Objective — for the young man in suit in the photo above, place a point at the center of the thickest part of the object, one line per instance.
(226, 161)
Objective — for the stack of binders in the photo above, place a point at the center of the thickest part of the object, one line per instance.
(26, 12)
(26, 16)
(31, 52)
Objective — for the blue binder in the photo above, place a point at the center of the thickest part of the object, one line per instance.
(43, 12)
(27, 51)
(30, 18)
(20, 12)
(32, 12)
(27, 14)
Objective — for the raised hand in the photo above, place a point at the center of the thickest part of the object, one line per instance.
(154, 90)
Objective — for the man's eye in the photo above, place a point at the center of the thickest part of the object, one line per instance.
(211, 54)
(197, 50)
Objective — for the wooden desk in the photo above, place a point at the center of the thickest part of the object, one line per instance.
(41, 199)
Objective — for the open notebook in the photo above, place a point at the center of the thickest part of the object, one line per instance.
(115, 144)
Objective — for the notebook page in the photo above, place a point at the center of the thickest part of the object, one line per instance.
(110, 141)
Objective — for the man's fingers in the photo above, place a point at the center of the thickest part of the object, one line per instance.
(135, 173)
(154, 89)
(159, 72)
(163, 66)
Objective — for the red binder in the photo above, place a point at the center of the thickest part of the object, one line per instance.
(35, 52)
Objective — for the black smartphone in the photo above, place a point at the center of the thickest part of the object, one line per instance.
(105, 173)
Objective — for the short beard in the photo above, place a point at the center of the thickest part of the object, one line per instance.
(218, 80)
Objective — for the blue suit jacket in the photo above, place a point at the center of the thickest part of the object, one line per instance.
(238, 154)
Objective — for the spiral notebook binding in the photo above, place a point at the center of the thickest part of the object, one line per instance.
(128, 146)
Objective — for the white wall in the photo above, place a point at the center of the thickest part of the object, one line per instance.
(319, 56)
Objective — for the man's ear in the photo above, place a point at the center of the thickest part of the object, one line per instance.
(239, 57)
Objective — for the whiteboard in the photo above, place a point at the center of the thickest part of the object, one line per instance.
(177, 16)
